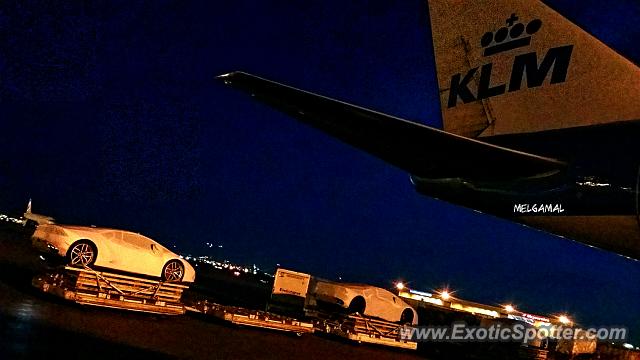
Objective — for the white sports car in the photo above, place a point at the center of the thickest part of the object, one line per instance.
(366, 300)
(114, 249)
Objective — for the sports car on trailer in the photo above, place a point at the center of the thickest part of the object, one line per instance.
(122, 250)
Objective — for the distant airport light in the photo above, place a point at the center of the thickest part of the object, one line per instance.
(445, 295)
(420, 293)
(509, 308)
(420, 296)
(564, 319)
(400, 285)
(475, 310)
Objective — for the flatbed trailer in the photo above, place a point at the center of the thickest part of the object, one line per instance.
(87, 286)
(353, 327)
(253, 318)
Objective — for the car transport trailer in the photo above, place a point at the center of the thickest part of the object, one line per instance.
(354, 327)
(87, 286)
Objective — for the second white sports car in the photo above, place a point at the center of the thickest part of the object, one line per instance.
(114, 249)
(364, 299)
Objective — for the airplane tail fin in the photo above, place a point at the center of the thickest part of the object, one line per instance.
(27, 213)
(518, 66)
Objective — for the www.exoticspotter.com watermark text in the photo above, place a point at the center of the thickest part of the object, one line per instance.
(461, 332)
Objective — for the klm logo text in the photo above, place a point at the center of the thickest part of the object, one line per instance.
(525, 71)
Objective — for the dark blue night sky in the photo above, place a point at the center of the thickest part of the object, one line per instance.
(110, 115)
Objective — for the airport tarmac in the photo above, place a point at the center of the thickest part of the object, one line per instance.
(34, 325)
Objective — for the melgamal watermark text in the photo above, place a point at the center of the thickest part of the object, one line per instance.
(461, 332)
(538, 208)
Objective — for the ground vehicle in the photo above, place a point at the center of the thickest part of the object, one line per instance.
(298, 290)
(366, 300)
(113, 249)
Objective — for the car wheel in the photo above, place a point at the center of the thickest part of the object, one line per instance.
(82, 253)
(173, 271)
(406, 317)
(357, 305)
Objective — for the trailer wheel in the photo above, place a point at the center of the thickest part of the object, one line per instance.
(173, 270)
(82, 253)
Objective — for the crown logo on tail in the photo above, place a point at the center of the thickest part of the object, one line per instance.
(512, 36)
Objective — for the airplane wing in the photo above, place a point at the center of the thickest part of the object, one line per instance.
(418, 149)
(39, 219)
